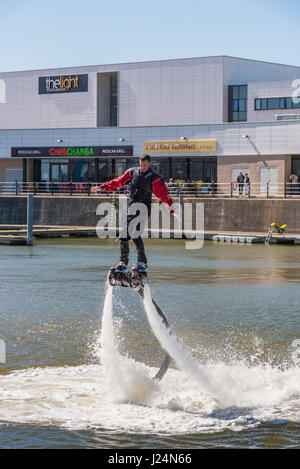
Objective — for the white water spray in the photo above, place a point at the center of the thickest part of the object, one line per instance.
(88, 396)
(125, 379)
(190, 367)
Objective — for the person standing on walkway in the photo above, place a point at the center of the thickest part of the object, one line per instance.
(240, 180)
(246, 184)
(294, 181)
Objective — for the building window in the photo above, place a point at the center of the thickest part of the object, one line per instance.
(269, 104)
(113, 101)
(296, 165)
(237, 103)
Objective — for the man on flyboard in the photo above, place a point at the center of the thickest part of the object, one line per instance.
(143, 181)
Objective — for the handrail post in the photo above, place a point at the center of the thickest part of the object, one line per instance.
(34, 188)
(181, 210)
(249, 190)
(29, 218)
(88, 189)
(231, 189)
(52, 190)
(267, 190)
(285, 189)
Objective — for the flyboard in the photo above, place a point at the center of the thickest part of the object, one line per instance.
(137, 280)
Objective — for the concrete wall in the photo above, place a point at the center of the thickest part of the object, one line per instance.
(245, 215)
(251, 215)
(9, 163)
(171, 92)
(24, 108)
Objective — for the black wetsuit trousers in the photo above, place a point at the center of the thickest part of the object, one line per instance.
(139, 243)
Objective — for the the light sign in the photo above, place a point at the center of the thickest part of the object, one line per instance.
(63, 84)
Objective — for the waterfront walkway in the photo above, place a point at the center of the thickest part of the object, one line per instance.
(16, 234)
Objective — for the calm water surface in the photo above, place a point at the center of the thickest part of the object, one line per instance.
(235, 309)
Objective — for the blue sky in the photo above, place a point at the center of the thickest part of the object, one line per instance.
(54, 33)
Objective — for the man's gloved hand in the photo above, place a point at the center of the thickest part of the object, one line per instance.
(96, 188)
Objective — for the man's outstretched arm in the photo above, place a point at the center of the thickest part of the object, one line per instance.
(114, 184)
(160, 190)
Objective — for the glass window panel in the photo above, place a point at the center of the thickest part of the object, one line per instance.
(282, 103)
(64, 176)
(242, 105)
(179, 169)
(273, 103)
(296, 104)
(196, 170)
(113, 82)
(235, 116)
(54, 173)
(258, 104)
(288, 103)
(235, 106)
(91, 171)
(113, 100)
(264, 103)
(120, 167)
(235, 92)
(45, 171)
(243, 91)
(161, 165)
(242, 116)
(104, 170)
(79, 170)
(132, 163)
(296, 165)
(210, 171)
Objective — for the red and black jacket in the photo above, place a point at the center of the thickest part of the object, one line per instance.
(142, 185)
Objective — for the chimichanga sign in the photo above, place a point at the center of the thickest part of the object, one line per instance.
(180, 146)
(38, 152)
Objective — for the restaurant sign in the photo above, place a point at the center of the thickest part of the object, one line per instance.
(180, 146)
(71, 152)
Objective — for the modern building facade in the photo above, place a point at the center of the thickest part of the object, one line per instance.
(204, 118)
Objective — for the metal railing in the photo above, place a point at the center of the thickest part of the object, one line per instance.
(187, 189)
